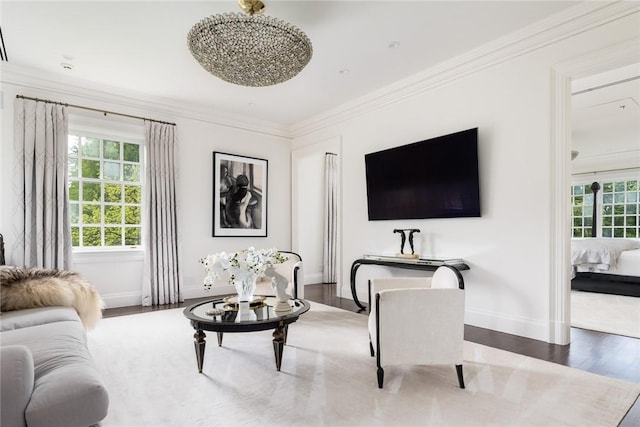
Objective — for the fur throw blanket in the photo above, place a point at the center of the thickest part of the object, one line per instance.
(22, 288)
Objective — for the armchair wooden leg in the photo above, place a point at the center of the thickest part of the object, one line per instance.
(380, 377)
(371, 348)
(460, 376)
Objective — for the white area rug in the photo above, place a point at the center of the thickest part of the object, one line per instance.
(328, 379)
(613, 314)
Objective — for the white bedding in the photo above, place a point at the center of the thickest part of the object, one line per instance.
(606, 255)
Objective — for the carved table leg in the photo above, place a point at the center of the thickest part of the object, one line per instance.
(278, 344)
(199, 345)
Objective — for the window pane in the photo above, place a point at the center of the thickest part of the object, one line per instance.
(587, 189)
(73, 143)
(587, 232)
(607, 187)
(632, 209)
(91, 168)
(577, 211)
(607, 221)
(132, 215)
(132, 236)
(131, 173)
(132, 194)
(631, 233)
(577, 222)
(91, 192)
(618, 197)
(607, 198)
(607, 209)
(588, 200)
(618, 232)
(75, 236)
(111, 150)
(74, 212)
(577, 189)
(577, 232)
(632, 185)
(113, 236)
(113, 215)
(577, 201)
(131, 152)
(618, 209)
(74, 190)
(112, 193)
(91, 236)
(619, 186)
(73, 167)
(630, 221)
(90, 147)
(618, 221)
(111, 171)
(607, 232)
(91, 214)
(588, 222)
(632, 197)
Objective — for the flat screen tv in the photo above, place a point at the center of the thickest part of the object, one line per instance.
(435, 178)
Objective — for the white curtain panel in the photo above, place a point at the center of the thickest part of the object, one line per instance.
(330, 218)
(41, 215)
(162, 279)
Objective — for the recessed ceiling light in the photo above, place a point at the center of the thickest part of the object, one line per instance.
(344, 71)
(394, 45)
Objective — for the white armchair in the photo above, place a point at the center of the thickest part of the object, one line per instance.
(291, 270)
(417, 321)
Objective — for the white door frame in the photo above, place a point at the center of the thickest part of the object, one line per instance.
(609, 58)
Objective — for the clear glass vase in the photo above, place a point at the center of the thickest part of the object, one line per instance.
(245, 288)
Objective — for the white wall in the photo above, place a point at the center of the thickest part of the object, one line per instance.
(118, 275)
(508, 248)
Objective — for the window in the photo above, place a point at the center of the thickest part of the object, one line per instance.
(582, 210)
(620, 209)
(618, 204)
(105, 192)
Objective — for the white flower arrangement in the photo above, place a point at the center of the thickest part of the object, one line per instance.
(241, 266)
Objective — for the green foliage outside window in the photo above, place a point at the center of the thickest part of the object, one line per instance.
(618, 208)
(104, 211)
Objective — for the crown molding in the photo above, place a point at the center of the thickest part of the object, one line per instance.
(563, 25)
(159, 108)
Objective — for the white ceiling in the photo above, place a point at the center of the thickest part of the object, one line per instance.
(606, 113)
(141, 46)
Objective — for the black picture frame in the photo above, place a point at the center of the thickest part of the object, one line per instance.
(239, 196)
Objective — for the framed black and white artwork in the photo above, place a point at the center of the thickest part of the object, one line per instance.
(239, 196)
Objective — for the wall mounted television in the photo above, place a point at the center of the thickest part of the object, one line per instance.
(434, 178)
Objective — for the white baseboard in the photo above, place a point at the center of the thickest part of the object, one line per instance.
(312, 278)
(515, 325)
(122, 299)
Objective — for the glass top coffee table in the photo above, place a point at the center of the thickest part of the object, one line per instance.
(224, 314)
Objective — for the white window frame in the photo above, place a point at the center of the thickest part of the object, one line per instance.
(116, 130)
(602, 178)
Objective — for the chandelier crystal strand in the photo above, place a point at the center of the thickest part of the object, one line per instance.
(249, 50)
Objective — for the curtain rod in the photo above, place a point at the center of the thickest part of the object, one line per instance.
(48, 101)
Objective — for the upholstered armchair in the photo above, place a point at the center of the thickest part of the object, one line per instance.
(291, 270)
(417, 321)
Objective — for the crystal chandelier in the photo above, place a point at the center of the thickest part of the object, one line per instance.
(249, 49)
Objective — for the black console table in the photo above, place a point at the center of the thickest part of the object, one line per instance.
(406, 263)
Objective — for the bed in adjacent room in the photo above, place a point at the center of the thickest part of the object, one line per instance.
(606, 265)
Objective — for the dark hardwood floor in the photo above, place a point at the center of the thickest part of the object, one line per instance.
(610, 355)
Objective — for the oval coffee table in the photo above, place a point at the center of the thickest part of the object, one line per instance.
(259, 316)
